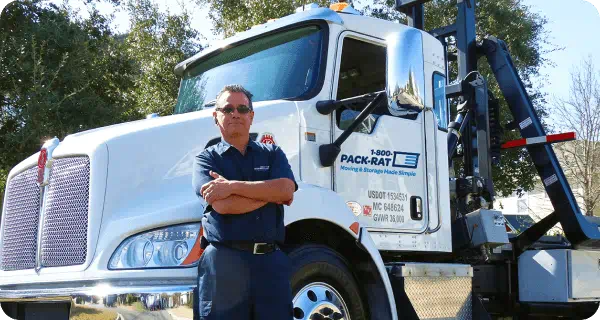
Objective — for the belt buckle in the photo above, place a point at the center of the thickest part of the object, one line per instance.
(256, 247)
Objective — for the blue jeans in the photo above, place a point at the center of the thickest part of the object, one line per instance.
(239, 285)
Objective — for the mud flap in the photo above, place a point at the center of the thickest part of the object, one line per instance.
(43, 310)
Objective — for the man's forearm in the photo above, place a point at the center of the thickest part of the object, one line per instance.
(276, 190)
(236, 204)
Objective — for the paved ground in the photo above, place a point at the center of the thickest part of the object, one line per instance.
(143, 315)
(132, 314)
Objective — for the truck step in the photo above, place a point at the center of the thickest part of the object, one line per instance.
(432, 290)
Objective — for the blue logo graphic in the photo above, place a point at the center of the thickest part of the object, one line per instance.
(405, 160)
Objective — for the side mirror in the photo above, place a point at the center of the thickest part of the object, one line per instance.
(405, 75)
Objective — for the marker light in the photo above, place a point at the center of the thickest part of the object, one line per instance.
(338, 6)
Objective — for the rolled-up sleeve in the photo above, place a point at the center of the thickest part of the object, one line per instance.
(280, 167)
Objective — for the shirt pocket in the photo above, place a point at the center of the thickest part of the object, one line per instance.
(261, 171)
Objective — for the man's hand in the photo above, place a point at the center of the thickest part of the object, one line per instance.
(217, 189)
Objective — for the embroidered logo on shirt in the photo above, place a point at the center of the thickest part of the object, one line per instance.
(261, 168)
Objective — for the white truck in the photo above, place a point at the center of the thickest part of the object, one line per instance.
(381, 227)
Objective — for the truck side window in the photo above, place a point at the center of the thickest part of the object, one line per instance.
(440, 107)
(362, 70)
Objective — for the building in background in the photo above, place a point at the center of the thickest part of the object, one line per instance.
(535, 203)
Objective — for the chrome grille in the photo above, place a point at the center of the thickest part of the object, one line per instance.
(21, 214)
(64, 231)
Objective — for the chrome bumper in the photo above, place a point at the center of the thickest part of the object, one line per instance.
(165, 300)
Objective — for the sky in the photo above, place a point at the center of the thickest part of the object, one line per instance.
(572, 24)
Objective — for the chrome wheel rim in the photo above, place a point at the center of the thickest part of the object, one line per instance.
(319, 301)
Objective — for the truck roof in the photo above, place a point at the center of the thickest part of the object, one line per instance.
(371, 26)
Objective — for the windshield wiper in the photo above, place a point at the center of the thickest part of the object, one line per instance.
(211, 103)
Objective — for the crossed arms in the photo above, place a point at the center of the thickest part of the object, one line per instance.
(238, 197)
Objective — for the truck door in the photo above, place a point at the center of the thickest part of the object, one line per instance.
(381, 170)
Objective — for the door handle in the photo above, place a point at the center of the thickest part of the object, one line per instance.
(416, 208)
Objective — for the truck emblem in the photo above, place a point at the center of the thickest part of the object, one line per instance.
(267, 138)
(45, 161)
(41, 166)
(367, 210)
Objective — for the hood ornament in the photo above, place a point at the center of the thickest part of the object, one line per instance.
(45, 161)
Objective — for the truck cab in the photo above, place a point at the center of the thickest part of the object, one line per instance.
(388, 171)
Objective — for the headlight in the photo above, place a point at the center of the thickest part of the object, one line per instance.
(177, 246)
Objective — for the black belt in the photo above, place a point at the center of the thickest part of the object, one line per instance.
(255, 248)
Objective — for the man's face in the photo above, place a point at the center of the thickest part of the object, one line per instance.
(234, 124)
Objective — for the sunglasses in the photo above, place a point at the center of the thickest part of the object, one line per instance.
(240, 109)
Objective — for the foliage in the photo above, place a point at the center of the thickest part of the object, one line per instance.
(156, 42)
(138, 306)
(61, 74)
(53, 77)
(231, 16)
(130, 299)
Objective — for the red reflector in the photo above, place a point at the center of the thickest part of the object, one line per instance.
(561, 137)
(354, 228)
(514, 143)
(539, 140)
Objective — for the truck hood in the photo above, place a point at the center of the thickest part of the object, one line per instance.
(104, 134)
(141, 175)
(149, 175)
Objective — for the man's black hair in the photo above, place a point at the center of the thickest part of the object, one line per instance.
(236, 88)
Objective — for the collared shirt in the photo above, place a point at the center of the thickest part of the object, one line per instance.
(261, 162)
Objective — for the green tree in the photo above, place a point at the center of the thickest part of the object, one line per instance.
(509, 20)
(231, 16)
(58, 75)
(524, 33)
(156, 42)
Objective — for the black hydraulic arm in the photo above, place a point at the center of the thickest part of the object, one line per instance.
(578, 230)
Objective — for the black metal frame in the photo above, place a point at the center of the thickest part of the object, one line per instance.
(578, 230)
(473, 125)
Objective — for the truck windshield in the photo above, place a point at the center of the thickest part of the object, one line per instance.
(285, 65)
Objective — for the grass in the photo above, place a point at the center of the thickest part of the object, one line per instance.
(138, 306)
(79, 312)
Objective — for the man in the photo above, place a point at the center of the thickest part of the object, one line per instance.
(242, 274)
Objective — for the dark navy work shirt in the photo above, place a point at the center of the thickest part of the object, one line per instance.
(261, 162)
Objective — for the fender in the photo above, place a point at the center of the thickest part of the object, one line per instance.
(314, 202)
(369, 245)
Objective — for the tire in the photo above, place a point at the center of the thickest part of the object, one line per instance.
(323, 284)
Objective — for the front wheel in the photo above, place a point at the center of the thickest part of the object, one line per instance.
(323, 286)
